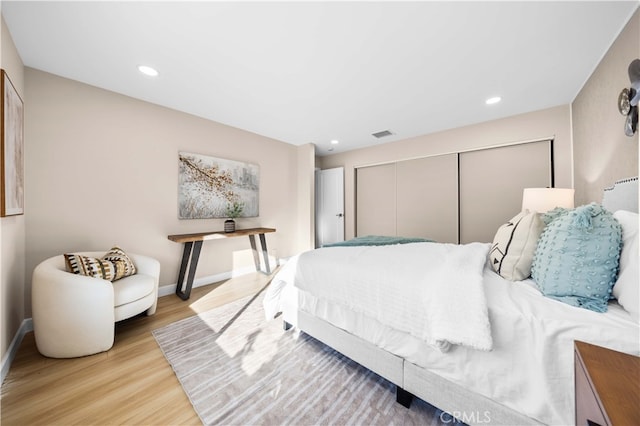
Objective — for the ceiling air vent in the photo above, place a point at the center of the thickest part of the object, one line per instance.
(382, 134)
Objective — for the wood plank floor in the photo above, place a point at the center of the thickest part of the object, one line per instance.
(131, 384)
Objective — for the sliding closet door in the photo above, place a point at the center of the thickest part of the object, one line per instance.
(427, 198)
(491, 184)
(376, 200)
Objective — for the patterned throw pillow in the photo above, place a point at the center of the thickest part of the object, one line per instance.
(123, 264)
(89, 266)
(514, 245)
(576, 260)
(112, 266)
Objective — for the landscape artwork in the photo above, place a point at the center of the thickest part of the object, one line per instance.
(210, 187)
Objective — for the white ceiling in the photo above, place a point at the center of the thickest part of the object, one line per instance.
(310, 72)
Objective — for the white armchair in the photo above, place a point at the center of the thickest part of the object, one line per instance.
(74, 315)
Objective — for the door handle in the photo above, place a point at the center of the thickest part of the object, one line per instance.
(339, 215)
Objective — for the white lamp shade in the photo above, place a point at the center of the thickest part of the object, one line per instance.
(542, 200)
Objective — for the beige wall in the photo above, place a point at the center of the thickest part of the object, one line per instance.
(12, 228)
(602, 152)
(553, 122)
(102, 170)
(306, 163)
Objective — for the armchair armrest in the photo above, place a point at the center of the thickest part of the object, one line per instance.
(146, 265)
(62, 301)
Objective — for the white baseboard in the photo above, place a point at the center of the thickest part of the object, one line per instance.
(166, 290)
(25, 327)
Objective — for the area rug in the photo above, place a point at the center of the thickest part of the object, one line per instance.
(239, 369)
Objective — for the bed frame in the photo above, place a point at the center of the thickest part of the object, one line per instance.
(412, 380)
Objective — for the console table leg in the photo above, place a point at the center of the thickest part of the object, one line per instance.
(265, 253)
(186, 253)
(254, 249)
(190, 257)
(256, 255)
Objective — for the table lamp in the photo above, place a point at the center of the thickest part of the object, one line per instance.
(542, 200)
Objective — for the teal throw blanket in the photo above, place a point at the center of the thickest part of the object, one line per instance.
(378, 240)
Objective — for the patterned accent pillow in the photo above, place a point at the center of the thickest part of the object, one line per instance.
(90, 266)
(123, 264)
(576, 260)
(115, 264)
(514, 245)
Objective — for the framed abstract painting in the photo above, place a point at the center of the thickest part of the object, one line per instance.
(12, 147)
(210, 187)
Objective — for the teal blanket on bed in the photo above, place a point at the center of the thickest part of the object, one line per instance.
(378, 240)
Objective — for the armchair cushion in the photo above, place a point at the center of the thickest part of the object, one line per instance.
(114, 265)
(133, 288)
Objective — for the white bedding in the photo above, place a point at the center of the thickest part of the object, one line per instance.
(529, 369)
(408, 287)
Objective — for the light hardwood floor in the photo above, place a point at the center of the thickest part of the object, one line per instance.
(131, 384)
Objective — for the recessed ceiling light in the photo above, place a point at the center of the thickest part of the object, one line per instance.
(335, 142)
(493, 100)
(146, 70)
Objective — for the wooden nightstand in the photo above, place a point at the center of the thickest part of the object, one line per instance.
(607, 385)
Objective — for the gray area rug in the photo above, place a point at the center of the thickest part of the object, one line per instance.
(239, 369)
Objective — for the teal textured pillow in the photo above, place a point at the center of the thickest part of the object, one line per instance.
(576, 260)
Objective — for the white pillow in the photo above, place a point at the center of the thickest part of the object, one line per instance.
(627, 287)
(514, 245)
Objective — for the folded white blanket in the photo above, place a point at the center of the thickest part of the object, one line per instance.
(432, 291)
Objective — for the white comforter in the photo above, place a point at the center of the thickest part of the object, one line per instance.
(431, 291)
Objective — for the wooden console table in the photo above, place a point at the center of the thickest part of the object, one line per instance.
(193, 244)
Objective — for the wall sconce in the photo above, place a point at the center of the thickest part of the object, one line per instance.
(542, 200)
(628, 99)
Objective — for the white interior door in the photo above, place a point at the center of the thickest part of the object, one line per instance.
(330, 206)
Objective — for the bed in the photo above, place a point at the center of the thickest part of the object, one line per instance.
(489, 350)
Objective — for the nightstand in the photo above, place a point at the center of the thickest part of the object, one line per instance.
(607, 385)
